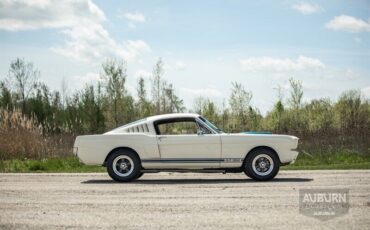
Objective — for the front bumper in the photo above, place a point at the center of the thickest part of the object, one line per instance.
(294, 155)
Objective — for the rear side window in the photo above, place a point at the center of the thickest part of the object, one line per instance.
(178, 128)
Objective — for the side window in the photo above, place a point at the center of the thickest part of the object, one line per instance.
(178, 128)
(204, 129)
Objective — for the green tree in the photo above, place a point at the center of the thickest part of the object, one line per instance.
(74, 115)
(164, 97)
(40, 106)
(275, 117)
(144, 107)
(239, 104)
(199, 104)
(5, 96)
(350, 113)
(296, 95)
(295, 102)
(92, 112)
(157, 85)
(210, 111)
(118, 102)
(254, 119)
(171, 102)
(24, 77)
(319, 113)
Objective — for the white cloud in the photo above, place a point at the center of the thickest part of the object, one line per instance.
(281, 65)
(81, 23)
(30, 15)
(348, 24)
(180, 65)
(307, 8)
(366, 92)
(135, 17)
(206, 92)
(132, 18)
(93, 42)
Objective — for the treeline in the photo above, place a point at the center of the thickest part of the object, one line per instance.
(322, 125)
(95, 108)
(32, 113)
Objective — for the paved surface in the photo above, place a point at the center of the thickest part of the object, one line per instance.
(175, 201)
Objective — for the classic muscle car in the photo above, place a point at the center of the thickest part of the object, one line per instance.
(184, 143)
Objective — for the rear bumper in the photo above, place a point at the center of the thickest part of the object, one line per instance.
(75, 151)
(290, 157)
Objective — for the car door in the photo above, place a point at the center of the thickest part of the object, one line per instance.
(185, 143)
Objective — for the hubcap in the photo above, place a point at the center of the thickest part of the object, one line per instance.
(123, 165)
(262, 164)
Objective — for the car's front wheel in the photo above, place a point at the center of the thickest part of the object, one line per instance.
(261, 164)
(123, 166)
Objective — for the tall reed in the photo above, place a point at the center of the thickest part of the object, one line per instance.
(22, 136)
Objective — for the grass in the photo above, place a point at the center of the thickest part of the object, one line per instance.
(67, 164)
(341, 160)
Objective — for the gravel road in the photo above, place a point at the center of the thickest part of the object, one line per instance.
(176, 201)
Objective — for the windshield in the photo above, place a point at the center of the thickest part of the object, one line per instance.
(218, 130)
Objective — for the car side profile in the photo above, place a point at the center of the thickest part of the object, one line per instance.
(184, 143)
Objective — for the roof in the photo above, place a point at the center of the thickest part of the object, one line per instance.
(140, 126)
(171, 115)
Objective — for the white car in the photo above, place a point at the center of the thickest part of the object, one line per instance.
(184, 143)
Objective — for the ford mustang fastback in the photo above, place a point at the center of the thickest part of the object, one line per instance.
(184, 143)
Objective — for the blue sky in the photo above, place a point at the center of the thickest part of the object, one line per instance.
(205, 45)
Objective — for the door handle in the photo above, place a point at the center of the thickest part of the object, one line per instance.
(160, 138)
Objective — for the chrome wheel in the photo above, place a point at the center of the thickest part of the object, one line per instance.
(262, 165)
(123, 165)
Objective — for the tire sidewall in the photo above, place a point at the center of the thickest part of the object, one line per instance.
(248, 169)
(134, 158)
(139, 175)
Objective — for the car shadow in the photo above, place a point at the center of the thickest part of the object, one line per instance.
(200, 181)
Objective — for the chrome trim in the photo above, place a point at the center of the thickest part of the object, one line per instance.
(205, 125)
(259, 167)
(193, 160)
(123, 165)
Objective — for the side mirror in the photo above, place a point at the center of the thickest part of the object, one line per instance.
(200, 132)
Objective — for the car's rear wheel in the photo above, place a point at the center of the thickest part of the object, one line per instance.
(123, 166)
(261, 164)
